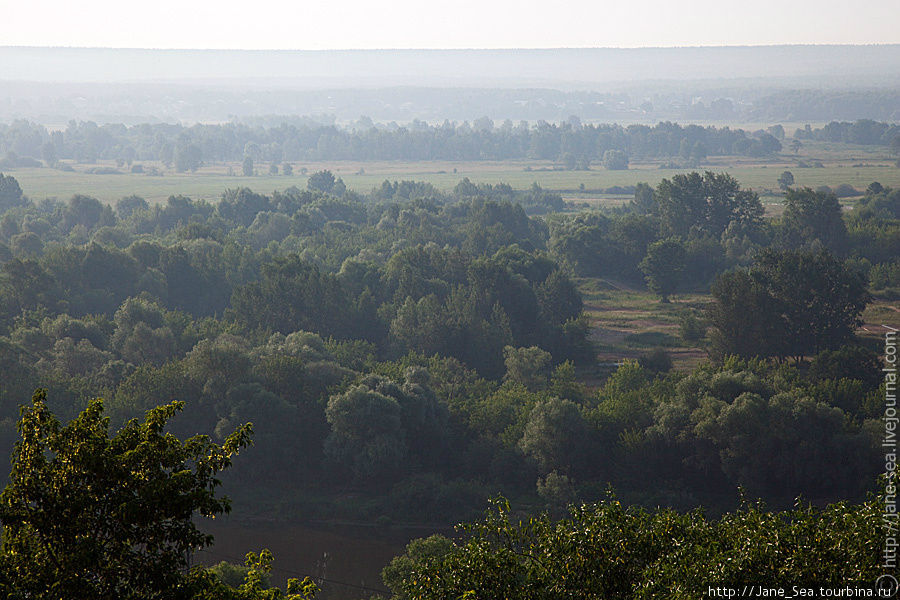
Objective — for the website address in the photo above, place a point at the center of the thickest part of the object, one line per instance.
(760, 591)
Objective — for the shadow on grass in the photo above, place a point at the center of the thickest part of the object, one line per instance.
(652, 339)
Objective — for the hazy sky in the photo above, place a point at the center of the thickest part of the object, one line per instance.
(279, 24)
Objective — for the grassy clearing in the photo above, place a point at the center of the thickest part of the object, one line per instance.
(627, 322)
(857, 166)
(879, 317)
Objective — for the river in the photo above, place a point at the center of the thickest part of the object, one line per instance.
(344, 559)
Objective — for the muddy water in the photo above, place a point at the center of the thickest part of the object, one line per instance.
(345, 560)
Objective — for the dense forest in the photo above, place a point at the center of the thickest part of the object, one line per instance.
(455, 319)
(425, 348)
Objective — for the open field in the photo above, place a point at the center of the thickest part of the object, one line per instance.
(879, 317)
(627, 322)
(856, 166)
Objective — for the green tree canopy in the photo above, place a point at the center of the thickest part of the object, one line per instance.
(188, 157)
(663, 266)
(89, 515)
(790, 304)
(811, 217)
(708, 202)
(528, 366)
(323, 181)
(366, 433)
(785, 180)
(10, 193)
(609, 550)
(615, 160)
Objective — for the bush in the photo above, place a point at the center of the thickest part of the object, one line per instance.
(656, 361)
(615, 160)
(691, 328)
(885, 275)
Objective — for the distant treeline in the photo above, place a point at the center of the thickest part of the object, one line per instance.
(569, 142)
(864, 131)
(188, 147)
(822, 105)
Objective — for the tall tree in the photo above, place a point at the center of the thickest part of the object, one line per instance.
(663, 266)
(323, 181)
(811, 216)
(188, 157)
(87, 515)
(643, 202)
(785, 180)
(790, 304)
(745, 318)
(821, 298)
(10, 193)
(708, 202)
(367, 436)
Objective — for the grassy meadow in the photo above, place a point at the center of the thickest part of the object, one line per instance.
(842, 164)
(627, 322)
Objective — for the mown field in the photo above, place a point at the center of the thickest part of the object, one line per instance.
(854, 165)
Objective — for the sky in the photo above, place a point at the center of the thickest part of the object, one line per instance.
(367, 24)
